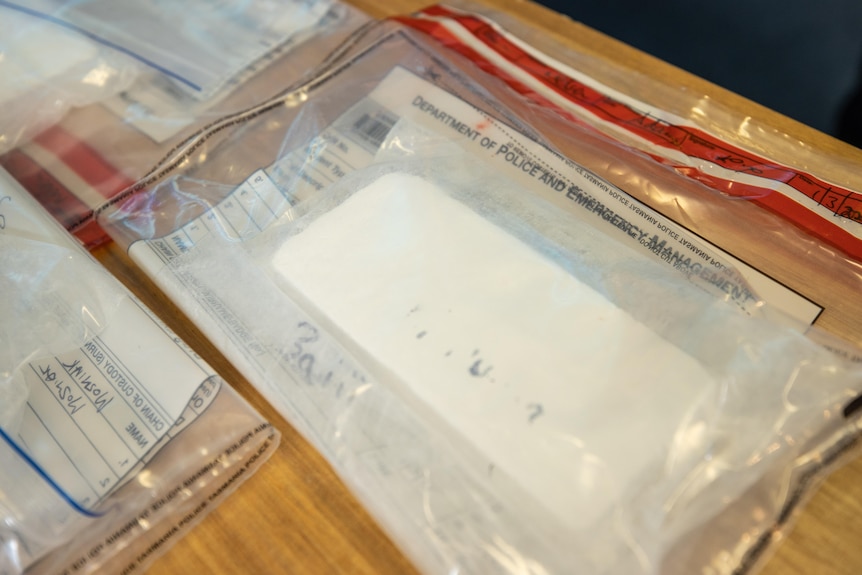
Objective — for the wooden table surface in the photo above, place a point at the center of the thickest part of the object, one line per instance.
(295, 516)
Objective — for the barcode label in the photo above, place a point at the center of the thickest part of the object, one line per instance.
(372, 129)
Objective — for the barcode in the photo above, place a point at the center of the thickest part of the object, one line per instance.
(373, 129)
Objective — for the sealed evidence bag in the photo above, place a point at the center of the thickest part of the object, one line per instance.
(502, 299)
(517, 364)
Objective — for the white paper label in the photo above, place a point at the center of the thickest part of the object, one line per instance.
(94, 413)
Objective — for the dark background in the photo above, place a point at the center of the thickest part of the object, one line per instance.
(801, 58)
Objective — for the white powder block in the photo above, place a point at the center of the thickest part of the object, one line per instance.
(563, 391)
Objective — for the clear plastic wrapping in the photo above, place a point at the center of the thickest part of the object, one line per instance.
(517, 365)
(115, 437)
(193, 63)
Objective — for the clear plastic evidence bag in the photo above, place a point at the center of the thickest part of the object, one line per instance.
(724, 163)
(100, 90)
(115, 437)
(488, 339)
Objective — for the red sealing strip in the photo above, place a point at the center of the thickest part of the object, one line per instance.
(86, 162)
(691, 141)
(54, 196)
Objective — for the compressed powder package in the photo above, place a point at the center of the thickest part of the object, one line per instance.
(517, 355)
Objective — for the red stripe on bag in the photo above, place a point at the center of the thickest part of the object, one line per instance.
(86, 162)
(54, 196)
(690, 141)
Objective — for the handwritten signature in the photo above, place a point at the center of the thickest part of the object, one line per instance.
(2, 216)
